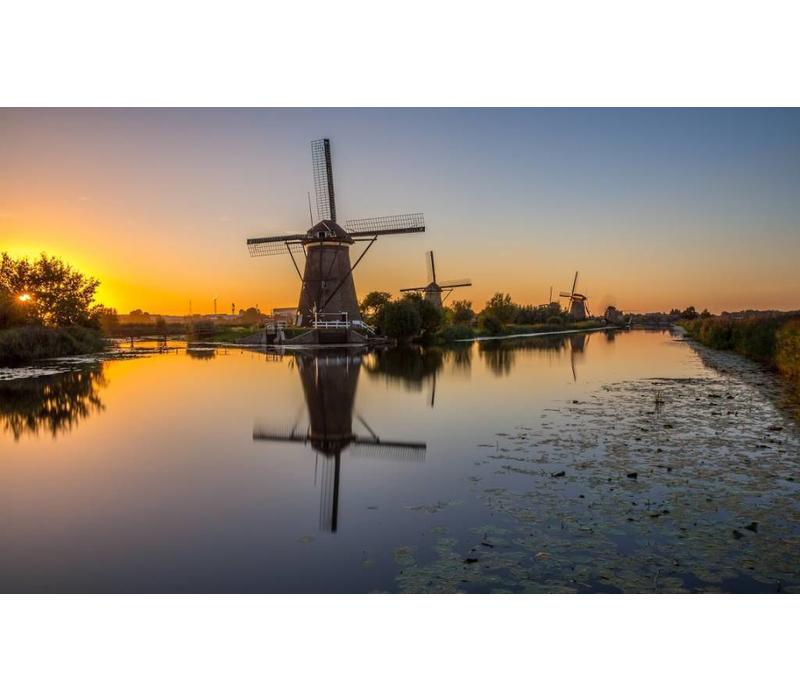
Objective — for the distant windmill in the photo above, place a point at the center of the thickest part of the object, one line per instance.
(327, 278)
(433, 290)
(578, 308)
(329, 385)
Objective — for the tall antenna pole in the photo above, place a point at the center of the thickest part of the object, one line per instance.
(551, 294)
(190, 307)
(215, 306)
(310, 215)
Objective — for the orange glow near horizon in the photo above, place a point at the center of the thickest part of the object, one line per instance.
(157, 205)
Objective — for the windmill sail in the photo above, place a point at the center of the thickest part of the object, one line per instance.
(456, 283)
(328, 290)
(323, 179)
(385, 225)
(275, 245)
(431, 267)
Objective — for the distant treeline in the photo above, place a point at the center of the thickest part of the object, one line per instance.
(773, 341)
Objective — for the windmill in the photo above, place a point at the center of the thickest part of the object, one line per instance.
(578, 308)
(329, 385)
(328, 292)
(433, 290)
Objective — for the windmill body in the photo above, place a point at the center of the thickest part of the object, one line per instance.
(328, 293)
(432, 291)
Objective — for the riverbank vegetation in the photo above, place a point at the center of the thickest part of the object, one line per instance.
(773, 341)
(47, 309)
(413, 318)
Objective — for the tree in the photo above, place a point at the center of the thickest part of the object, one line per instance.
(689, 313)
(372, 304)
(250, 316)
(108, 320)
(431, 317)
(705, 313)
(54, 293)
(490, 323)
(400, 319)
(462, 311)
(501, 307)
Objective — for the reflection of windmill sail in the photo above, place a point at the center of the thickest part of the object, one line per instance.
(410, 367)
(577, 344)
(329, 386)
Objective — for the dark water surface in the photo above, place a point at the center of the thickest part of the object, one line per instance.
(599, 462)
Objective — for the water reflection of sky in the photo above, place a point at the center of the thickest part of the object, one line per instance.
(152, 479)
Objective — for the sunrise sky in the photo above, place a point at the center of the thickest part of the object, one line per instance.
(656, 208)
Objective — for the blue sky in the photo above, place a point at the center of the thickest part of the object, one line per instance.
(656, 207)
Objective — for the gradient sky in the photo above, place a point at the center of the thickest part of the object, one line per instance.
(656, 208)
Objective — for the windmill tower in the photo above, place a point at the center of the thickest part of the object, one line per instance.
(578, 308)
(329, 385)
(328, 293)
(433, 290)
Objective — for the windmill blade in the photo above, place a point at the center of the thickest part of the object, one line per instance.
(275, 245)
(565, 294)
(414, 289)
(431, 267)
(362, 229)
(373, 447)
(323, 179)
(456, 283)
(575, 282)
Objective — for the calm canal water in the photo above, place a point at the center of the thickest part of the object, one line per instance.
(596, 462)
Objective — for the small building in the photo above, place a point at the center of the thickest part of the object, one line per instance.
(286, 314)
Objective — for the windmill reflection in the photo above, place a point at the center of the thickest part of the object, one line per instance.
(501, 355)
(577, 346)
(410, 367)
(330, 380)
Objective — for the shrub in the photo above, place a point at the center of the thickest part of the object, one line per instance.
(459, 331)
(401, 319)
(30, 343)
(462, 311)
(490, 324)
(787, 350)
(501, 307)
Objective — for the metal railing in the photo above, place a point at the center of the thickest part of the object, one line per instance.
(344, 325)
(332, 324)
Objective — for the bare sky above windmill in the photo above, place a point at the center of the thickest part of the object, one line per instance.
(656, 208)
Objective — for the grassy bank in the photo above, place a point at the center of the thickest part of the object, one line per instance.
(774, 342)
(29, 343)
(461, 332)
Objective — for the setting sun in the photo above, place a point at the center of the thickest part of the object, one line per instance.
(24, 297)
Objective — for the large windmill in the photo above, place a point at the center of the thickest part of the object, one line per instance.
(578, 308)
(329, 385)
(328, 294)
(433, 290)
